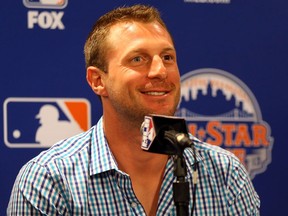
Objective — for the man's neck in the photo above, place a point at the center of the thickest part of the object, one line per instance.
(124, 139)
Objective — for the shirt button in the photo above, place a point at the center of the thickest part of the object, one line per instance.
(133, 205)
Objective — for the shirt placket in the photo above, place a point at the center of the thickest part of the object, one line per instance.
(125, 185)
(165, 202)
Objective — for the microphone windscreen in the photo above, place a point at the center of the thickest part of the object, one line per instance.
(153, 133)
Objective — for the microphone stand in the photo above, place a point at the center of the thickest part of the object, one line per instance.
(181, 186)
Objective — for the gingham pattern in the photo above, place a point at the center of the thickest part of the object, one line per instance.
(79, 176)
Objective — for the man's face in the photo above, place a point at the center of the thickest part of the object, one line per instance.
(143, 76)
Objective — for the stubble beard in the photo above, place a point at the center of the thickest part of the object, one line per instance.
(134, 114)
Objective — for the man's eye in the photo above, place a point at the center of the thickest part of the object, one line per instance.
(137, 59)
(167, 57)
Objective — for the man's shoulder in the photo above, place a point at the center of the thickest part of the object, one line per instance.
(65, 149)
(62, 160)
(220, 165)
(216, 158)
(213, 150)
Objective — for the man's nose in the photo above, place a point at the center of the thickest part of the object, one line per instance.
(157, 69)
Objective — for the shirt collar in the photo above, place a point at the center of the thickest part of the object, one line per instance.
(102, 159)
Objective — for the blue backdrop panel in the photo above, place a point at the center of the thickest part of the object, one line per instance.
(232, 56)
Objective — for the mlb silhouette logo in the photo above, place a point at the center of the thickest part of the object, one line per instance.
(57, 4)
(41, 122)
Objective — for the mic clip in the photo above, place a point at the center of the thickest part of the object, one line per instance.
(180, 141)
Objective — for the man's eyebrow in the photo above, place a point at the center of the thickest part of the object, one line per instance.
(169, 49)
(140, 50)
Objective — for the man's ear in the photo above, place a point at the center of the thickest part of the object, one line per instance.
(95, 77)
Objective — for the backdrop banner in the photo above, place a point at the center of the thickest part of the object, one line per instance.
(232, 56)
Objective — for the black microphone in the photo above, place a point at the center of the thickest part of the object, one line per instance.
(169, 135)
(164, 134)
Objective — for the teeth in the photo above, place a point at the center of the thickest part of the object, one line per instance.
(155, 93)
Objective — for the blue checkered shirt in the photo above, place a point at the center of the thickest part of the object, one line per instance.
(79, 176)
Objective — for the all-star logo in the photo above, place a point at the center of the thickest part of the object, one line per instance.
(220, 109)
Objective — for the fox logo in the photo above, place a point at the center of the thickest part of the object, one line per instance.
(51, 20)
(41, 122)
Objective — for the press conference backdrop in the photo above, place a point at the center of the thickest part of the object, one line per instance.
(232, 55)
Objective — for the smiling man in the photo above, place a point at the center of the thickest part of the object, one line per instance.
(141, 77)
(131, 65)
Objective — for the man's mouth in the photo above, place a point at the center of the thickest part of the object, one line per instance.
(154, 93)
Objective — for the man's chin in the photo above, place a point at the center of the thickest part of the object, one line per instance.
(162, 112)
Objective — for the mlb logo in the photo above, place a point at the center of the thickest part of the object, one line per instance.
(148, 132)
(41, 122)
(53, 4)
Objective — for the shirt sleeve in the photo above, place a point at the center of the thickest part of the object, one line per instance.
(35, 193)
(242, 197)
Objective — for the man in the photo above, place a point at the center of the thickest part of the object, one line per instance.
(131, 65)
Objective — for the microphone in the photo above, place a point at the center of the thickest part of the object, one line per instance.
(169, 135)
(164, 135)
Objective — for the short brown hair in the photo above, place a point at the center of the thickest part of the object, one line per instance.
(95, 48)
